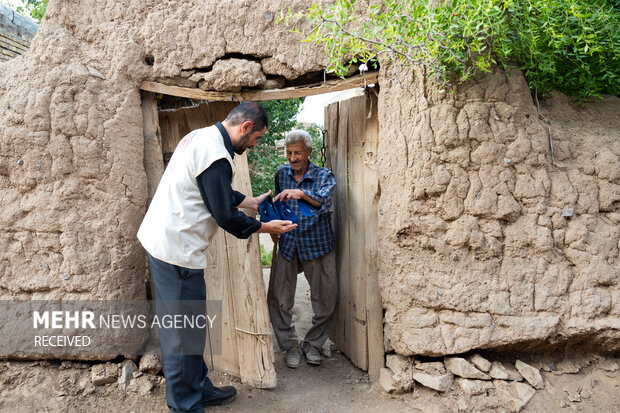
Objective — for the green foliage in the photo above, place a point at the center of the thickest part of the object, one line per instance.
(265, 257)
(569, 45)
(33, 8)
(263, 160)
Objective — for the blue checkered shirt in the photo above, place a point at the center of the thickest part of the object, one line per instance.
(313, 236)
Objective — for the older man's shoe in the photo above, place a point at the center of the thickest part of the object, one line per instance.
(313, 356)
(293, 357)
(220, 396)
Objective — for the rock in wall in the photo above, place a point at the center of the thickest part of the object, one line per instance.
(484, 241)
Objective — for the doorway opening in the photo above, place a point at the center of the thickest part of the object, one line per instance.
(234, 269)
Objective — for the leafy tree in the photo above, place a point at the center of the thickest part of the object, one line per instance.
(569, 45)
(263, 160)
(33, 8)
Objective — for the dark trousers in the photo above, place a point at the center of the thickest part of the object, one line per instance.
(183, 363)
(321, 275)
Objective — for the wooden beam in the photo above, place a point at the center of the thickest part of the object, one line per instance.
(332, 85)
(153, 157)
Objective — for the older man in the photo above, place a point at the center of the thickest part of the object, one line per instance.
(308, 248)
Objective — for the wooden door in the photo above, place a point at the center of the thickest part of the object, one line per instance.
(233, 273)
(351, 141)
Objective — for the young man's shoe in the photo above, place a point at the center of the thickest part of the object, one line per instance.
(293, 357)
(313, 355)
(220, 396)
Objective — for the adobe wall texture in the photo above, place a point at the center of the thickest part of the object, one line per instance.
(484, 243)
(475, 252)
(73, 188)
(72, 184)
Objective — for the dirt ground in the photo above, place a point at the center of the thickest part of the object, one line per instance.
(337, 386)
(573, 382)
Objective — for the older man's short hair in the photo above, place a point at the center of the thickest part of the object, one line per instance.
(297, 135)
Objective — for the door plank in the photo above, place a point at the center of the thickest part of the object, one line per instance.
(357, 232)
(341, 323)
(221, 352)
(252, 324)
(331, 138)
(374, 307)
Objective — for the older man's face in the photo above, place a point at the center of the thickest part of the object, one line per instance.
(298, 155)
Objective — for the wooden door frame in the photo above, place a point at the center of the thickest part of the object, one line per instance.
(332, 85)
(253, 372)
(247, 345)
(352, 140)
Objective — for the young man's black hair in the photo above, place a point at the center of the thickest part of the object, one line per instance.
(251, 111)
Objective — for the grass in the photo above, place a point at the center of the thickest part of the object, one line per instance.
(265, 257)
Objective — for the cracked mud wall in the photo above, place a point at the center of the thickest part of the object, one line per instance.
(73, 189)
(474, 250)
(483, 242)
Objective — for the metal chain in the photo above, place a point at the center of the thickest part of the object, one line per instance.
(323, 150)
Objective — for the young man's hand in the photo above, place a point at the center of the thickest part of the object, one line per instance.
(259, 199)
(253, 203)
(277, 227)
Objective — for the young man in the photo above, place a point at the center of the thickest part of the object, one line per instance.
(193, 199)
(308, 248)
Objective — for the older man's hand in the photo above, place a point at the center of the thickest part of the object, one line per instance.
(290, 194)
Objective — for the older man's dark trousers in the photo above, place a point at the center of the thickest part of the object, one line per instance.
(321, 275)
(185, 371)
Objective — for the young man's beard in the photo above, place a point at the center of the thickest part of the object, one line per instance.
(241, 144)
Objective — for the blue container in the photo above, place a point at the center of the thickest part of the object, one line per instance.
(270, 210)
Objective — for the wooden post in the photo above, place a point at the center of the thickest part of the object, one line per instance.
(357, 231)
(251, 316)
(374, 307)
(153, 158)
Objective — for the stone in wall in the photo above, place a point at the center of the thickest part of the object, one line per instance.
(231, 75)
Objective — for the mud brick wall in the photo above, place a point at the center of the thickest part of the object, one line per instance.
(73, 188)
(485, 240)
